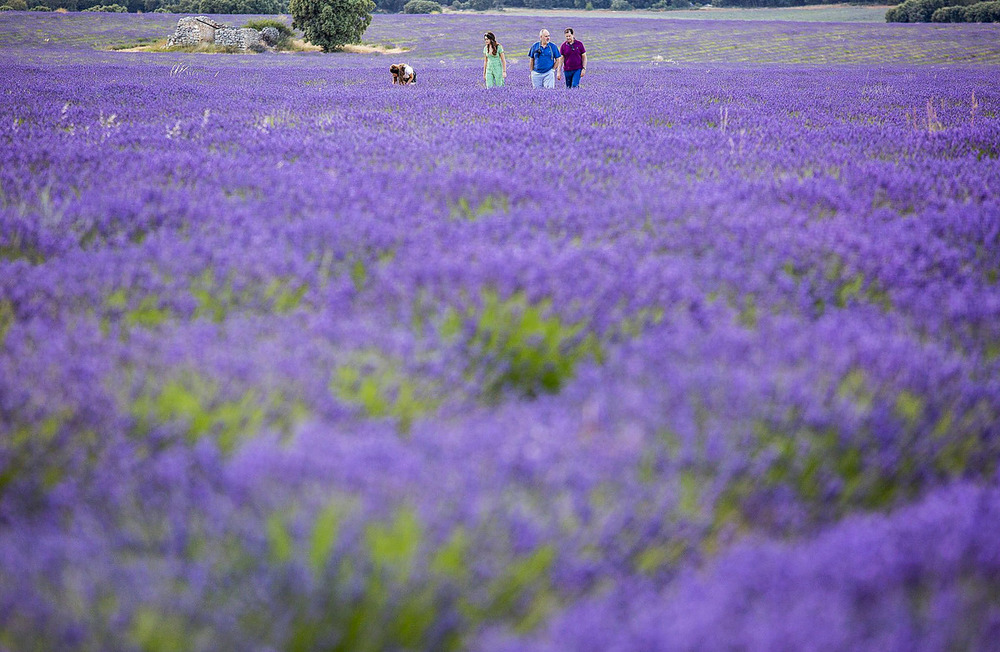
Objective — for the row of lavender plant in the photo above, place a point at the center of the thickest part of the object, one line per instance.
(293, 359)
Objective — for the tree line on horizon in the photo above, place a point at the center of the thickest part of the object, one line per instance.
(396, 6)
(912, 11)
(945, 11)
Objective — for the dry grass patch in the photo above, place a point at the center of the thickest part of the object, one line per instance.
(297, 45)
(373, 49)
(160, 45)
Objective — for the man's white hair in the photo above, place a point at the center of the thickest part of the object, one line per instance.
(543, 32)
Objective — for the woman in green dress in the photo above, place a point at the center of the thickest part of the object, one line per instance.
(494, 62)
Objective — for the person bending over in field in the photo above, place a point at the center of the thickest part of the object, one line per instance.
(574, 59)
(545, 60)
(402, 74)
(494, 62)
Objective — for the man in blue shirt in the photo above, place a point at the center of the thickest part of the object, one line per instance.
(545, 62)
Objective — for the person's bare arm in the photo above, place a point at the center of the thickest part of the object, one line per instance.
(584, 59)
(503, 60)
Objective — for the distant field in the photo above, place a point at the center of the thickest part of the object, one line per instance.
(816, 13)
(456, 37)
(631, 38)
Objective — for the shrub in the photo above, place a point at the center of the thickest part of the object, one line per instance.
(17, 5)
(6, 8)
(920, 11)
(224, 7)
(482, 5)
(620, 5)
(40, 8)
(519, 347)
(110, 9)
(285, 33)
(421, 7)
(949, 15)
(983, 12)
(331, 24)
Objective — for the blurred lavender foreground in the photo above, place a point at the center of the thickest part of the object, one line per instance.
(704, 355)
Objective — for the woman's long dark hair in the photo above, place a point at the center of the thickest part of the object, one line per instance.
(492, 45)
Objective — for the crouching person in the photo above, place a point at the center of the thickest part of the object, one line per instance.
(402, 74)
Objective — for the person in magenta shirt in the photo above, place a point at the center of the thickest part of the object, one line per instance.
(574, 57)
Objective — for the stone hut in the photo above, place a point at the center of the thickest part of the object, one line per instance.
(244, 38)
(195, 30)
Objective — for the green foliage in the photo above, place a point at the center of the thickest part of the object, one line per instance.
(523, 592)
(390, 6)
(194, 403)
(837, 286)
(17, 5)
(949, 15)
(17, 249)
(215, 301)
(279, 540)
(747, 315)
(463, 209)
(221, 6)
(110, 9)
(285, 33)
(40, 8)
(393, 608)
(520, 346)
(666, 555)
(324, 536)
(830, 471)
(154, 631)
(451, 560)
(783, 3)
(621, 5)
(7, 318)
(983, 12)
(393, 546)
(148, 314)
(920, 11)
(331, 24)
(389, 592)
(379, 386)
(421, 7)
(6, 8)
(36, 455)
(203, 409)
(407, 582)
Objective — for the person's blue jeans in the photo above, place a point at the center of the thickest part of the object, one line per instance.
(573, 77)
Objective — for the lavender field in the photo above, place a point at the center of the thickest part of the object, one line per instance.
(704, 355)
